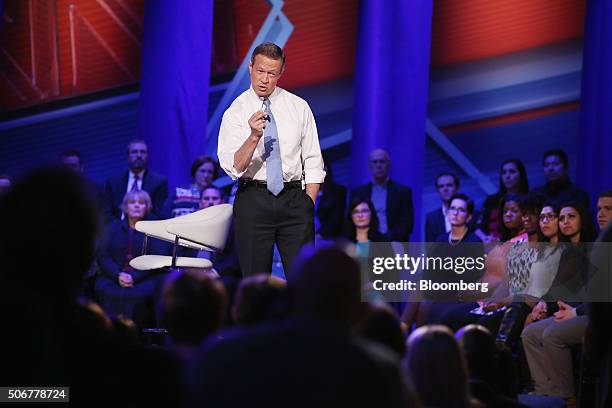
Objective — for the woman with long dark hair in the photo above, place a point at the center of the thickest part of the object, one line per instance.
(547, 343)
(362, 222)
(512, 180)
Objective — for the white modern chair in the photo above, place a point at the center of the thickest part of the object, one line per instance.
(206, 230)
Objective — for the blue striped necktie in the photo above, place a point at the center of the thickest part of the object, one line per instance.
(274, 165)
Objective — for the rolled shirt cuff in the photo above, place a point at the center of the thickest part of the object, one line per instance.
(314, 176)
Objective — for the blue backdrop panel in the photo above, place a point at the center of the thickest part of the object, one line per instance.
(594, 164)
(391, 90)
(176, 59)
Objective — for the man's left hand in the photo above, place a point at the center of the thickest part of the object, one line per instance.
(313, 191)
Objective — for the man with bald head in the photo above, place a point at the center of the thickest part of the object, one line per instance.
(393, 201)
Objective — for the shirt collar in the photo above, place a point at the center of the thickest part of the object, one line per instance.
(384, 185)
(272, 96)
(140, 175)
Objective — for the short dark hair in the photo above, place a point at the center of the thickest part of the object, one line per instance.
(71, 153)
(468, 201)
(530, 203)
(453, 175)
(269, 50)
(192, 306)
(134, 141)
(260, 298)
(214, 188)
(605, 194)
(504, 233)
(200, 160)
(560, 153)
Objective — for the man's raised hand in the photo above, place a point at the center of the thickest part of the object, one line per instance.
(257, 122)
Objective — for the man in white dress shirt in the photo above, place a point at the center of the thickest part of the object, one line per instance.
(268, 140)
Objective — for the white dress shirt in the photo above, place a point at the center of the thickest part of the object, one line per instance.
(447, 225)
(132, 178)
(297, 137)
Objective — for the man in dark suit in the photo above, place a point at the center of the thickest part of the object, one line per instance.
(330, 206)
(559, 189)
(138, 177)
(393, 201)
(436, 222)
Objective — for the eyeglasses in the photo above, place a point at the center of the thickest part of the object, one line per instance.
(548, 217)
(457, 210)
(361, 212)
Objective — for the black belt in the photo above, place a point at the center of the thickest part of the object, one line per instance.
(263, 184)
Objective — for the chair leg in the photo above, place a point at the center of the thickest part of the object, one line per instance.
(144, 244)
(174, 251)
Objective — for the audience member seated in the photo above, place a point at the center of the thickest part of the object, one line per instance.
(260, 298)
(436, 221)
(72, 159)
(392, 201)
(120, 289)
(435, 364)
(511, 231)
(224, 262)
(192, 307)
(546, 265)
(362, 224)
(604, 209)
(547, 342)
(576, 228)
(138, 177)
(54, 339)
(329, 208)
(506, 323)
(5, 184)
(491, 373)
(598, 338)
(380, 325)
(559, 189)
(186, 199)
(459, 242)
(512, 180)
(312, 359)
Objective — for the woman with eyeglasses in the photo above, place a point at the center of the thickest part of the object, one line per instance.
(362, 222)
(544, 269)
(460, 211)
(459, 242)
(547, 343)
(510, 231)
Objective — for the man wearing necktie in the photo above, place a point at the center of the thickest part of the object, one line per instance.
(268, 140)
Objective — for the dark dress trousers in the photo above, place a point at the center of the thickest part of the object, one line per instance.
(261, 219)
(153, 183)
(400, 213)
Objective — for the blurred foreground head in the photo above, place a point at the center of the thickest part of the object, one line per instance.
(48, 233)
(435, 364)
(326, 287)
